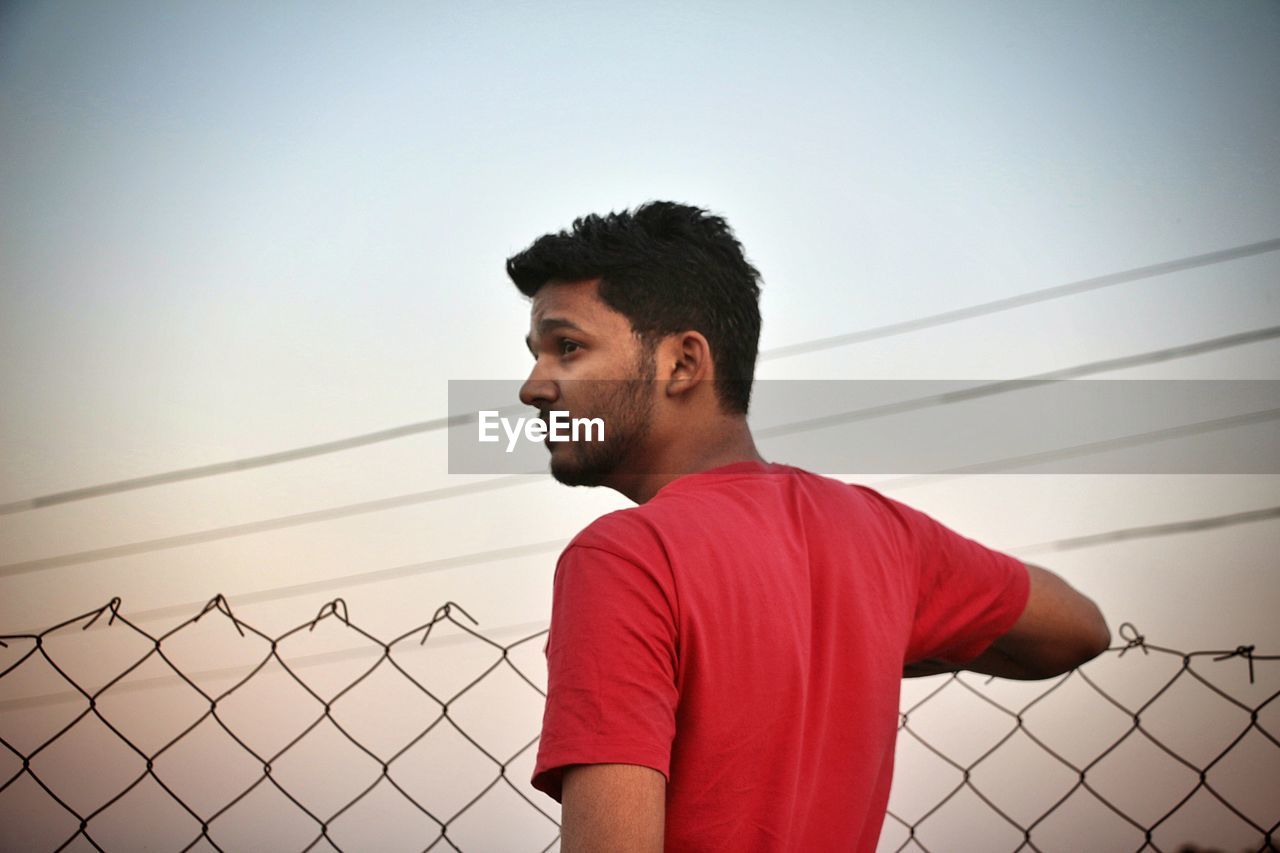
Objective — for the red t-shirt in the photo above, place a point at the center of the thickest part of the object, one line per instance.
(744, 632)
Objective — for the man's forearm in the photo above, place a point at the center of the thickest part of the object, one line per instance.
(991, 662)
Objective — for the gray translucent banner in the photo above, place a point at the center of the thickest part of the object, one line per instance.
(1080, 426)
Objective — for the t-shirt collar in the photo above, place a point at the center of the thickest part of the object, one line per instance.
(733, 469)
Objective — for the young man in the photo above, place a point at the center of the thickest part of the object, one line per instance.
(725, 658)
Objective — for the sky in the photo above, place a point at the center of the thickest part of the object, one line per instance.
(234, 229)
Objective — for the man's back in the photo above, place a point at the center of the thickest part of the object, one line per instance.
(744, 633)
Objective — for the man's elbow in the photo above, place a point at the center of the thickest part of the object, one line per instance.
(1059, 630)
(1097, 639)
(1092, 642)
(1090, 638)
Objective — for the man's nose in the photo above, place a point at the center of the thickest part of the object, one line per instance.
(538, 391)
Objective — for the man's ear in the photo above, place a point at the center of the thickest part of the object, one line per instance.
(684, 361)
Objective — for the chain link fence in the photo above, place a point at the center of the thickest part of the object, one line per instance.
(216, 736)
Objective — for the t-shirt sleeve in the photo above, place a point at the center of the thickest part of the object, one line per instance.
(967, 594)
(611, 664)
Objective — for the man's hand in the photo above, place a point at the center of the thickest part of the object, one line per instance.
(612, 808)
(1059, 630)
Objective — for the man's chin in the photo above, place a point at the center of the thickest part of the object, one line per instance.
(571, 475)
(567, 468)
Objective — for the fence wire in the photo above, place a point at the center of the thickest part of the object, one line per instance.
(1005, 735)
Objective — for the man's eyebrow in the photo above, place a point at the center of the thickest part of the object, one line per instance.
(547, 324)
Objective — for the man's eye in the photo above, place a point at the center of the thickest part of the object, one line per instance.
(567, 346)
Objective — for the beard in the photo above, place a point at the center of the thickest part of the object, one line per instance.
(626, 406)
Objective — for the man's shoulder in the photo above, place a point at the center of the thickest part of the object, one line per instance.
(622, 532)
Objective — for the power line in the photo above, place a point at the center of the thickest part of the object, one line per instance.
(233, 530)
(874, 333)
(247, 463)
(997, 305)
(530, 549)
(884, 486)
(1086, 449)
(986, 389)
(1151, 531)
(1004, 386)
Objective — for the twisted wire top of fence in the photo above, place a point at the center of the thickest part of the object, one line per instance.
(320, 750)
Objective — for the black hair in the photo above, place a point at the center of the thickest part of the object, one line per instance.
(667, 268)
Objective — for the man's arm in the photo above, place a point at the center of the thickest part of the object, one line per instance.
(1058, 630)
(612, 808)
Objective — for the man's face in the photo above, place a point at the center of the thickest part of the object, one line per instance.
(589, 363)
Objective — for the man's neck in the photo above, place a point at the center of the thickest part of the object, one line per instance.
(723, 442)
